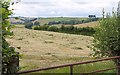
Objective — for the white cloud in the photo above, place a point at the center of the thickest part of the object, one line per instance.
(63, 7)
(53, 12)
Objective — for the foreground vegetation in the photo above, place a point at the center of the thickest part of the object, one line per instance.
(8, 54)
(106, 42)
(81, 69)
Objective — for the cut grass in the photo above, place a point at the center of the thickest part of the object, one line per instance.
(59, 49)
(90, 24)
(38, 54)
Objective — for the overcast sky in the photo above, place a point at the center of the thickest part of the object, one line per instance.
(52, 8)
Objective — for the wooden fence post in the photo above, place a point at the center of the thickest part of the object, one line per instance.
(13, 67)
(71, 70)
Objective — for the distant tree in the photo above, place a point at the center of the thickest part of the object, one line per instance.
(61, 16)
(53, 28)
(54, 22)
(27, 20)
(44, 27)
(29, 25)
(16, 18)
(62, 27)
(36, 27)
(70, 28)
(36, 23)
(92, 16)
(71, 22)
(33, 19)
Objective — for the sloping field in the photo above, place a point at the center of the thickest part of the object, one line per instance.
(43, 49)
(47, 20)
(90, 24)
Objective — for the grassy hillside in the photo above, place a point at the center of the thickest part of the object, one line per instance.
(43, 49)
(46, 20)
(90, 24)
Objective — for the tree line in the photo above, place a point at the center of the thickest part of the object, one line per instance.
(29, 25)
(72, 22)
(89, 31)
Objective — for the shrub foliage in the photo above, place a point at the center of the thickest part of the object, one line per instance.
(106, 41)
(7, 51)
(89, 31)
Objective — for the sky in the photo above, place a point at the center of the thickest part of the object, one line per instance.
(68, 8)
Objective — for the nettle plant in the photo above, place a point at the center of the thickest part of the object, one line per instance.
(7, 51)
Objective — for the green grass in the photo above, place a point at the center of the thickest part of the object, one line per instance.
(77, 69)
(46, 20)
(64, 18)
(19, 25)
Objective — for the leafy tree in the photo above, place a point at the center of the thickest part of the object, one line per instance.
(106, 41)
(36, 27)
(70, 28)
(89, 31)
(36, 23)
(29, 25)
(7, 51)
(62, 27)
(53, 28)
(0, 38)
(16, 18)
(44, 27)
(27, 20)
(72, 22)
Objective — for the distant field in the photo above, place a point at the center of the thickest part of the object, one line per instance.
(43, 49)
(46, 20)
(90, 24)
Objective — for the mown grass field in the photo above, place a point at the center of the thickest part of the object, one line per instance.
(44, 49)
(90, 24)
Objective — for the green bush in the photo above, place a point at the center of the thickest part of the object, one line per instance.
(36, 23)
(36, 28)
(29, 25)
(106, 42)
(44, 27)
(9, 53)
(53, 28)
